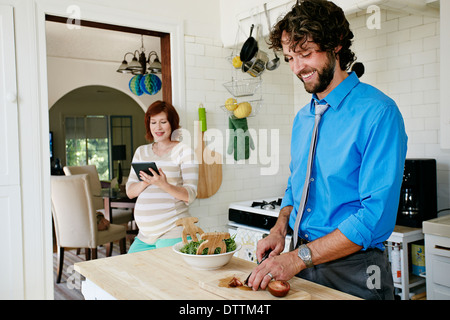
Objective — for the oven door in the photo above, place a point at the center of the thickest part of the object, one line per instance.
(248, 237)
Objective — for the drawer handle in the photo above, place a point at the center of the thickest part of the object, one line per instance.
(441, 247)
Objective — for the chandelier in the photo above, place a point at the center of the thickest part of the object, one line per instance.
(139, 62)
(143, 81)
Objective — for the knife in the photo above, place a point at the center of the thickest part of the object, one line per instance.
(266, 255)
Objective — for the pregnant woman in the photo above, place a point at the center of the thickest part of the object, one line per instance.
(164, 197)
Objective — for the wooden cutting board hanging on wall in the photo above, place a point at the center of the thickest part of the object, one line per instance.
(210, 162)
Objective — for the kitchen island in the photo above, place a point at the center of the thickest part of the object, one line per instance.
(162, 274)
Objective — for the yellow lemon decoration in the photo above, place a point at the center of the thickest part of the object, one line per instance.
(231, 104)
(237, 63)
(243, 110)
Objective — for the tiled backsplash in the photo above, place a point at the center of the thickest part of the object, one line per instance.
(207, 69)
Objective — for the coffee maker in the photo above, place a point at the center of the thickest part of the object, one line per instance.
(418, 195)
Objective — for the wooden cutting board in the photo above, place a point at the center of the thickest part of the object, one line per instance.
(219, 287)
(210, 165)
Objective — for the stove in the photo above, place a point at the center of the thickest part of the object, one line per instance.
(251, 221)
(261, 214)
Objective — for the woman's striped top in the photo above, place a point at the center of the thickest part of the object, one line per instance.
(156, 211)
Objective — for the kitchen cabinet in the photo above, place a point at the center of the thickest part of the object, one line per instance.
(437, 257)
(405, 236)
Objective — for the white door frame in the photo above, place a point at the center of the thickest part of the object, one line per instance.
(74, 9)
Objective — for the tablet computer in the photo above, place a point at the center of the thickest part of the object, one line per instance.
(143, 166)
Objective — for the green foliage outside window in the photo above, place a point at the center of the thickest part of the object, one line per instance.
(97, 154)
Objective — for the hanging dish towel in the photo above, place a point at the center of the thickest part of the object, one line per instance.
(240, 141)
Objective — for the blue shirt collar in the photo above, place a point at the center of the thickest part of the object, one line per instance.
(335, 97)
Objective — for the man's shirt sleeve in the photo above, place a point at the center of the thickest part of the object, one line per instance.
(380, 179)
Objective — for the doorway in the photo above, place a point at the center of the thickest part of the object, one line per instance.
(62, 75)
(88, 122)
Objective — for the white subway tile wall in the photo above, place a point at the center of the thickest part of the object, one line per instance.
(407, 69)
(401, 59)
(207, 69)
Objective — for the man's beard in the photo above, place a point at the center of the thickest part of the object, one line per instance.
(326, 75)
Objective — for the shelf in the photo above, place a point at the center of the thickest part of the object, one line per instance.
(414, 281)
(405, 236)
(256, 106)
(243, 88)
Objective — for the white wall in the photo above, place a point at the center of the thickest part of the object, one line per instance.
(201, 17)
(65, 75)
(445, 75)
(403, 59)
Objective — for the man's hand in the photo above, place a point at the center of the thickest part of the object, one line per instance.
(281, 267)
(273, 242)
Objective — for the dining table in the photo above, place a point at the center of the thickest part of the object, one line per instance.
(162, 274)
(115, 198)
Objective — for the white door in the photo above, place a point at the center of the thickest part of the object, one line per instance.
(11, 268)
(9, 156)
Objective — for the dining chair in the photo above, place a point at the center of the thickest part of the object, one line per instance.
(75, 219)
(119, 216)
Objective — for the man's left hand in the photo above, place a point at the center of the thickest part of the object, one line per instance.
(281, 267)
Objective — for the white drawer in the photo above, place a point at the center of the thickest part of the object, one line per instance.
(441, 268)
(437, 245)
(441, 293)
(437, 259)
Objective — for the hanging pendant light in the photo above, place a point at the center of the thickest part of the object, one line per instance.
(155, 66)
(124, 66)
(142, 64)
(138, 64)
(134, 64)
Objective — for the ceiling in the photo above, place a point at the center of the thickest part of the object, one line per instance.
(95, 44)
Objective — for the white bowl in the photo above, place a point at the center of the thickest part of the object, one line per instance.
(205, 262)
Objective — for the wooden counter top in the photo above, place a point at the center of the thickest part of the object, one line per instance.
(162, 274)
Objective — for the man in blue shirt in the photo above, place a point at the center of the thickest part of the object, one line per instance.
(357, 170)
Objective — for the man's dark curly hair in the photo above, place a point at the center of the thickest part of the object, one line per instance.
(320, 21)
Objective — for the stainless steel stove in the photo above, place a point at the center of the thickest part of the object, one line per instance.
(251, 221)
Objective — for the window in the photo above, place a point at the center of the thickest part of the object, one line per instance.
(122, 134)
(87, 142)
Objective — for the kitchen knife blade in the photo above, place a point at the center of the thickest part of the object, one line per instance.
(266, 255)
